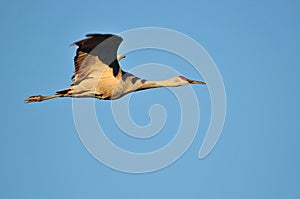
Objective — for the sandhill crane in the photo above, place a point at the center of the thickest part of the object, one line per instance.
(98, 73)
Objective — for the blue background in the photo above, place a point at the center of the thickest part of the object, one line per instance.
(256, 47)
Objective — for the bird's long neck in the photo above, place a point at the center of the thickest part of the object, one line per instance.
(131, 83)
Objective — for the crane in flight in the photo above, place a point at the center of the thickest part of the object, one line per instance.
(98, 73)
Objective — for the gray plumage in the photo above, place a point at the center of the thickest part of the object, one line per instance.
(98, 73)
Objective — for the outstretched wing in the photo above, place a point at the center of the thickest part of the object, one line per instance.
(96, 56)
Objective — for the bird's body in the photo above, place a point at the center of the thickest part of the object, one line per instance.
(98, 73)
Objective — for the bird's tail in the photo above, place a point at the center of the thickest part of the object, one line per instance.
(39, 98)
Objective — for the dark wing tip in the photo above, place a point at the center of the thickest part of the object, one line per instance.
(95, 35)
(102, 35)
(99, 35)
(105, 36)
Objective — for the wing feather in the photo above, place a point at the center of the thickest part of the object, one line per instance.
(95, 54)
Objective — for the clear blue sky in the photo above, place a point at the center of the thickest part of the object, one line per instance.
(255, 44)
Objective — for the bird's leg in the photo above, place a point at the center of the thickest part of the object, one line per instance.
(119, 57)
(39, 98)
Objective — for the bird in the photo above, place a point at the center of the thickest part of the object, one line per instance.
(98, 73)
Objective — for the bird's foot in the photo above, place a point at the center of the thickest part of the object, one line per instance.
(35, 98)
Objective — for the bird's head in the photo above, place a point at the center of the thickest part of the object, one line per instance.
(179, 81)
